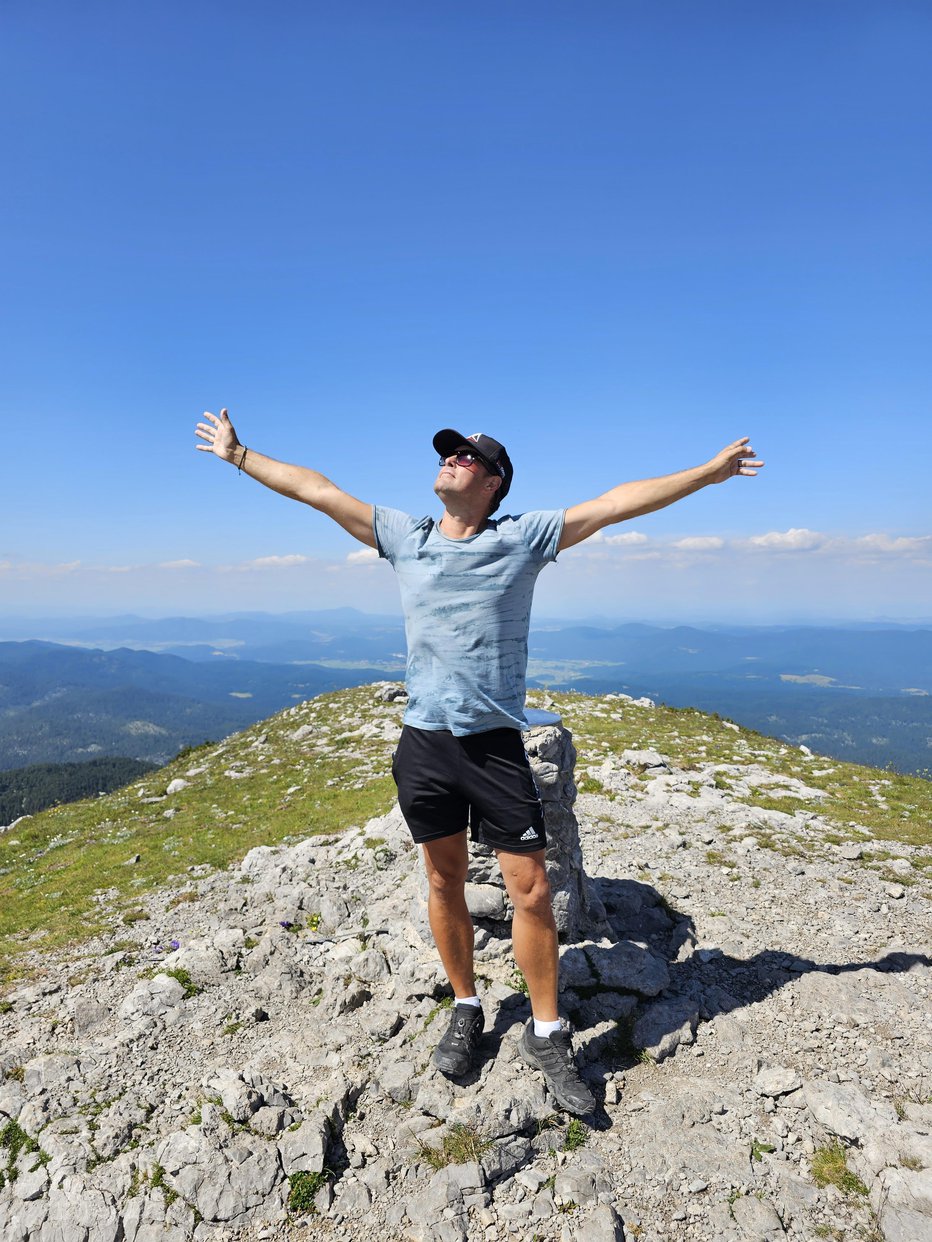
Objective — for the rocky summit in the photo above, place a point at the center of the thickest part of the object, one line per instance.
(745, 961)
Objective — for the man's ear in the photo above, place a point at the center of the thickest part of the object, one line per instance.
(495, 481)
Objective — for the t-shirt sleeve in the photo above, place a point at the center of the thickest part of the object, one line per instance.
(541, 530)
(390, 527)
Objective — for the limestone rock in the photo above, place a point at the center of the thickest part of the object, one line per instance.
(304, 1148)
(159, 997)
(665, 1025)
(844, 1110)
(775, 1080)
(226, 1183)
(757, 1219)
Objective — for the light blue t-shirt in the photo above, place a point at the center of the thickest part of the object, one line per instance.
(467, 607)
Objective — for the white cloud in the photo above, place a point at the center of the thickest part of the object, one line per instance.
(364, 556)
(904, 545)
(180, 565)
(267, 562)
(699, 543)
(797, 539)
(627, 539)
(38, 569)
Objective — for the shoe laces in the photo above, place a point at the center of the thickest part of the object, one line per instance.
(562, 1045)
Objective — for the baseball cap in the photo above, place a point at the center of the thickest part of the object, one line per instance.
(490, 452)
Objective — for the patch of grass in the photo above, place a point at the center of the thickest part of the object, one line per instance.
(13, 1141)
(552, 1122)
(78, 850)
(759, 1149)
(446, 1002)
(184, 978)
(589, 785)
(373, 843)
(232, 1027)
(911, 1162)
(716, 858)
(576, 1135)
(461, 1145)
(304, 1188)
(894, 877)
(830, 1168)
(181, 899)
(135, 916)
(519, 983)
(158, 1182)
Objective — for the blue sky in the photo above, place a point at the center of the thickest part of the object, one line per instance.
(614, 235)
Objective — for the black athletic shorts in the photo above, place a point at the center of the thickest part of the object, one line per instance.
(483, 781)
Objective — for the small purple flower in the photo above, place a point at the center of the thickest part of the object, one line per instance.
(284, 923)
(174, 944)
(157, 948)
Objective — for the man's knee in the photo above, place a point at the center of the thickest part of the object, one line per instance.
(527, 884)
(446, 863)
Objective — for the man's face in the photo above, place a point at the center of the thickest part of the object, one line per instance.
(458, 478)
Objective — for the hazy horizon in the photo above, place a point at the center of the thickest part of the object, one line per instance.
(10, 618)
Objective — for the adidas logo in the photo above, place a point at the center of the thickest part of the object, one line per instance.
(530, 835)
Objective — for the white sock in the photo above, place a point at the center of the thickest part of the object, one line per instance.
(543, 1029)
(468, 1000)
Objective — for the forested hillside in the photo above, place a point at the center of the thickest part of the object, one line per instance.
(24, 791)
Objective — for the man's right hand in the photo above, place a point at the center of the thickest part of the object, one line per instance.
(220, 436)
(295, 482)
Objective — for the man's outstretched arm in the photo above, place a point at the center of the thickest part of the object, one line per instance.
(630, 500)
(296, 482)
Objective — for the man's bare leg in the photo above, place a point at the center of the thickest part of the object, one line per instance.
(446, 862)
(533, 929)
(534, 936)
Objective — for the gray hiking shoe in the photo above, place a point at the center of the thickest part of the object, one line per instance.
(456, 1052)
(553, 1056)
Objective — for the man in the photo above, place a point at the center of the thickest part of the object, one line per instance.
(466, 586)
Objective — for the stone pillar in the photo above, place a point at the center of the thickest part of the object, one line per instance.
(577, 909)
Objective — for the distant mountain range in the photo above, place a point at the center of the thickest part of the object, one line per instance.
(61, 703)
(144, 688)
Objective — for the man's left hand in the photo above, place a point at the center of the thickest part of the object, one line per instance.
(735, 459)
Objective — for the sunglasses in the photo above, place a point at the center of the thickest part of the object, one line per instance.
(472, 459)
(463, 459)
